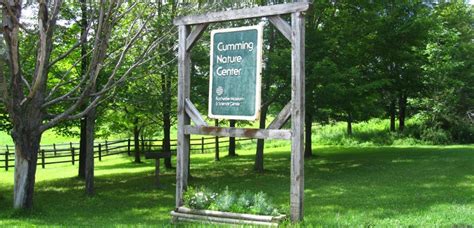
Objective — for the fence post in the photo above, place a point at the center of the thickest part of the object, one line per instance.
(6, 159)
(42, 159)
(128, 150)
(202, 145)
(54, 148)
(106, 147)
(100, 152)
(72, 156)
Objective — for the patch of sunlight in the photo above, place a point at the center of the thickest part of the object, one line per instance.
(430, 185)
(122, 170)
(354, 165)
(325, 169)
(55, 189)
(468, 183)
(403, 161)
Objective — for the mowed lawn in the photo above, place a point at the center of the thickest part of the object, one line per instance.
(363, 186)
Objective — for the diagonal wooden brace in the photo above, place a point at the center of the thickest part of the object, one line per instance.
(194, 114)
(282, 26)
(282, 118)
(195, 35)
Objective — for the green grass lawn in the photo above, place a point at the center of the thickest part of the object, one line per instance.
(359, 186)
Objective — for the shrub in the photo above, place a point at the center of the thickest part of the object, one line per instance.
(244, 202)
(198, 198)
(262, 206)
(203, 198)
(224, 201)
(436, 136)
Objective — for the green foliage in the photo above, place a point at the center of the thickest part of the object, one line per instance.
(246, 202)
(375, 132)
(436, 136)
(224, 201)
(262, 206)
(198, 198)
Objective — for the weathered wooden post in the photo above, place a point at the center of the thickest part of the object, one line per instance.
(297, 116)
(6, 158)
(217, 142)
(202, 145)
(73, 156)
(128, 147)
(100, 152)
(54, 149)
(182, 155)
(106, 147)
(42, 159)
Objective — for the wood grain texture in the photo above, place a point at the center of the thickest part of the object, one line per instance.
(282, 26)
(232, 215)
(194, 114)
(184, 64)
(262, 11)
(282, 117)
(238, 132)
(195, 35)
(297, 117)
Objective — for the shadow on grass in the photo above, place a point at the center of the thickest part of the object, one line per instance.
(370, 184)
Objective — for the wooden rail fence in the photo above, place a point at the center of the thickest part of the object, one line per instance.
(59, 153)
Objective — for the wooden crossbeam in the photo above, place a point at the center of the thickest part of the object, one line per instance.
(282, 118)
(195, 35)
(194, 114)
(256, 12)
(282, 26)
(238, 132)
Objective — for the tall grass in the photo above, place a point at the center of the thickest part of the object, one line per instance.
(374, 132)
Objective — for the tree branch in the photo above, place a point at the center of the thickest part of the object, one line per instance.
(46, 29)
(82, 40)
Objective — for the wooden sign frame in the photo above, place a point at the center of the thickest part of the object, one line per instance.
(295, 33)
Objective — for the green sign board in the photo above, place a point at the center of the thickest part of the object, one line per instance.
(235, 77)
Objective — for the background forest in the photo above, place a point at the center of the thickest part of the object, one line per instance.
(408, 63)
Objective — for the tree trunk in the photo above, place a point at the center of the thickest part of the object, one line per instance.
(402, 103)
(349, 123)
(166, 141)
(308, 147)
(217, 142)
(136, 138)
(392, 115)
(82, 149)
(26, 155)
(232, 141)
(84, 64)
(260, 142)
(166, 99)
(90, 130)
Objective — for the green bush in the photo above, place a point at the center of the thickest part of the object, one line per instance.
(262, 205)
(224, 201)
(436, 136)
(198, 198)
(247, 202)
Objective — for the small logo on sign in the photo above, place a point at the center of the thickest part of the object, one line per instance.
(219, 90)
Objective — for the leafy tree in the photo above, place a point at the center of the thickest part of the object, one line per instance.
(33, 92)
(448, 71)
